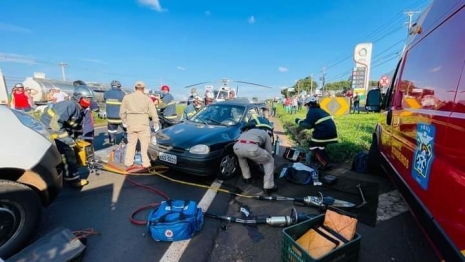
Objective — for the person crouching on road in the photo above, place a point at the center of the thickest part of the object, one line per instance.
(192, 109)
(255, 144)
(62, 121)
(324, 130)
(135, 111)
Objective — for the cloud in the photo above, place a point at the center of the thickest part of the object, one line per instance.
(180, 68)
(208, 13)
(436, 69)
(251, 20)
(283, 69)
(93, 60)
(14, 58)
(14, 28)
(153, 4)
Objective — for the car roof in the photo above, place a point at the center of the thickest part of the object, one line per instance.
(236, 101)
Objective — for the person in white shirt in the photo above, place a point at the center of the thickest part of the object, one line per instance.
(60, 95)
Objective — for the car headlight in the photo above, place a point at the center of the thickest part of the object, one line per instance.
(34, 124)
(153, 140)
(199, 149)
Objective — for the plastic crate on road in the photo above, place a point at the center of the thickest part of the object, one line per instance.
(292, 252)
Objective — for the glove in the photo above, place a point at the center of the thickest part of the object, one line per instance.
(124, 125)
(68, 140)
(297, 121)
(156, 128)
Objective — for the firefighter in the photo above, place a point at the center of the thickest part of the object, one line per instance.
(255, 144)
(62, 120)
(324, 130)
(113, 99)
(168, 104)
(191, 98)
(192, 109)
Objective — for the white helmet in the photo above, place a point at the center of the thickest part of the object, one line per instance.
(310, 100)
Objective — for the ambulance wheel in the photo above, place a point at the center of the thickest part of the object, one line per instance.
(228, 166)
(374, 159)
(20, 212)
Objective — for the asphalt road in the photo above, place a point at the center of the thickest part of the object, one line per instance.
(107, 203)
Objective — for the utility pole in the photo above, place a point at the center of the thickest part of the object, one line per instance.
(311, 84)
(410, 19)
(298, 87)
(322, 78)
(63, 65)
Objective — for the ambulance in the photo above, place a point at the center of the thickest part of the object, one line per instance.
(420, 138)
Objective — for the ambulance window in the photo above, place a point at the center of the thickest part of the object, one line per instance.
(430, 82)
(391, 93)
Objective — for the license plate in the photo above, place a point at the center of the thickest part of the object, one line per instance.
(168, 158)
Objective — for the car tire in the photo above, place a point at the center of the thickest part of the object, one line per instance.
(374, 159)
(228, 167)
(20, 213)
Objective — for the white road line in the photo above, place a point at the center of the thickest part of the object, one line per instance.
(177, 248)
(390, 204)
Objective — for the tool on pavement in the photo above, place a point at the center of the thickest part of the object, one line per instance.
(277, 221)
(85, 156)
(364, 202)
(317, 201)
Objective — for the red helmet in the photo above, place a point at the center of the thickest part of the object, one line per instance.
(165, 88)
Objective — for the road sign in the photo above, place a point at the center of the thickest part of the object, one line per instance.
(336, 106)
(384, 81)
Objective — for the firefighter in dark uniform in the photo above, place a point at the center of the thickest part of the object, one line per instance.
(167, 106)
(193, 108)
(191, 98)
(113, 99)
(62, 120)
(324, 130)
(255, 144)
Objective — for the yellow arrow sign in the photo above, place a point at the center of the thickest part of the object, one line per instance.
(324, 104)
(344, 106)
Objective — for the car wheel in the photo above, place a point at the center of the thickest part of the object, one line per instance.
(228, 166)
(20, 212)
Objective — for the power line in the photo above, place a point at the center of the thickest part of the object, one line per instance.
(63, 65)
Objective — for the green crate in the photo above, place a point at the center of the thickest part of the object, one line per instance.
(292, 252)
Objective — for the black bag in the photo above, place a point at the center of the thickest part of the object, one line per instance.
(360, 163)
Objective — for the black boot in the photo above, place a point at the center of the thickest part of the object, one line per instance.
(269, 191)
(247, 180)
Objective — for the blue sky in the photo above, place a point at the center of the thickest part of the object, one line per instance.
(182, 42)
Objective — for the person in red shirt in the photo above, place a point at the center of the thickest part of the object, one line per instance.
(21, 98)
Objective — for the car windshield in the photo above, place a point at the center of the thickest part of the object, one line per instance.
(220, 115)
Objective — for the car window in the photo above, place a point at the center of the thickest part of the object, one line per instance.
(249, 114)
(220, 114)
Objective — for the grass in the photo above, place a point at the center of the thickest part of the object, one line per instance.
(354, 131)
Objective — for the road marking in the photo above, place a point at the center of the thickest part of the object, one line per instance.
(177, 248)
(390, 204)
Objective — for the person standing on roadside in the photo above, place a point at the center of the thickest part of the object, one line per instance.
(113, 99)
(20, 98)
(135, 111)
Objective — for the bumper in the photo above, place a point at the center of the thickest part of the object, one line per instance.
(199, 165)
(50, 174)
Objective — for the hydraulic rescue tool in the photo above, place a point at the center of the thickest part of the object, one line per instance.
(86, 156)
(318, 201)
(276, 221)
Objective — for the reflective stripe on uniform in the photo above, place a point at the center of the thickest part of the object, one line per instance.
(60, 135)
(72, 123)
(191, 114)
(323, 119)
(114, 121)
(113, 103)
(171, 117)
(324, 140)
(51, 112)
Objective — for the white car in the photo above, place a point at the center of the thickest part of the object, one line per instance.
(30, 177)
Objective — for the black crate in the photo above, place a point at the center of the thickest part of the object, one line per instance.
(292, 252)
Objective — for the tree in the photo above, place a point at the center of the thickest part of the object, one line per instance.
(304, 84)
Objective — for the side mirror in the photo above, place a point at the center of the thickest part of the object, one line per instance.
(373, 100)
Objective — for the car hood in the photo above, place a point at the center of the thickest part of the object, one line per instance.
(188, 134)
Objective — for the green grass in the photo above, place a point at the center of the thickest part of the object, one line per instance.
(354, 131)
